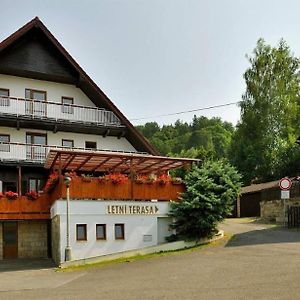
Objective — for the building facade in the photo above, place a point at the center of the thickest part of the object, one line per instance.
(50, 108)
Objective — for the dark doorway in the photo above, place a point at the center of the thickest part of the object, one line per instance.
(10, 240)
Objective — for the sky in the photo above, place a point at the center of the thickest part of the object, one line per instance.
(163, 56)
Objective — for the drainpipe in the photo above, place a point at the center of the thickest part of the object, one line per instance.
(68, 250)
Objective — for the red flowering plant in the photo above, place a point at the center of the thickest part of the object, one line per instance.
(141, 179)
(32, 195)
(11, 195)
(117, 178)
(163, 179)
(51, 182)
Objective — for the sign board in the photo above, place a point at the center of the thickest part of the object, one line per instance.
(285, 194)
(132, 209)
(285, 184)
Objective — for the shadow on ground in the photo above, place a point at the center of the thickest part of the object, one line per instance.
(10, 265)
(264, 236)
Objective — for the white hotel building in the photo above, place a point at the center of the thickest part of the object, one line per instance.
(53, 117)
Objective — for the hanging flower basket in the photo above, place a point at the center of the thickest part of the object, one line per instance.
(140, 179)
(11, 195)
(163, 179)
(32, 195)
(51, 182)
(117, 178)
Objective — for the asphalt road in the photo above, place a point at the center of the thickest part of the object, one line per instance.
(258, 262)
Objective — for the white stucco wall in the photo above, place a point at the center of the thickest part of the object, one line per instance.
(55, 91)
(93, 212)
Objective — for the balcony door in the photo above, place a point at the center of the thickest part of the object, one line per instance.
(36, 149)
(35, 104)
(10, 240)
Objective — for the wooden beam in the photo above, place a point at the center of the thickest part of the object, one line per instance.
(161, 167)
(106, 133)
(136, 164)
(54, 160)
(84, 162)
(70, 159)
(158, 162)
(20, 181)
(120, 163)
(100, 164)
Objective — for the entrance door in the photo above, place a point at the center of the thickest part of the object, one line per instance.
(36, 149)
(10, 240)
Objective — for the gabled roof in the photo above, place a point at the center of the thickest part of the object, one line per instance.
(84, 81)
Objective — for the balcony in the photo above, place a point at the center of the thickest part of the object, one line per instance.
(33, 153)
(54, 111)
(130, 190)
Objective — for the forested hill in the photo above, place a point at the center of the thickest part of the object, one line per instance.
(202, 138)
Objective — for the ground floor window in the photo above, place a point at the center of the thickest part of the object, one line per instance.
(81, 232)
(100, 231)
(119, 232)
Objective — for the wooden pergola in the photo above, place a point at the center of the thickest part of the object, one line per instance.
(105, 161)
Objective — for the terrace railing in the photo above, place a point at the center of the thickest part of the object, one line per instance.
(36, 109)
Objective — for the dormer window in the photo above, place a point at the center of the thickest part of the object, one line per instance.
(67, 103)
(4, 94)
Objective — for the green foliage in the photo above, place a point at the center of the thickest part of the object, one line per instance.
(203, 138)
(270, 119)
(210, 194)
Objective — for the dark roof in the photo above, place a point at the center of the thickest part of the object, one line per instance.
(259, 187)
(133, 135)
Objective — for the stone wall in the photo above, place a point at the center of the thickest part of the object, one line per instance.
(32, 239)
(272, 211)
(55, 231)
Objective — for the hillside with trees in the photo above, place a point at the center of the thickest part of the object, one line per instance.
(202, 138)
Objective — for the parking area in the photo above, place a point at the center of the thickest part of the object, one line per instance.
(256, 262)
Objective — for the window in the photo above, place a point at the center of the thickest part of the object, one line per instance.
(38, 106)
(4, 140)
(81, 234)
(35, 184)
(68, 143)
(4, 94)
(35, 146)
(67, 103)
(119, 232)
(91, 145)
(101, 231)
(35, 95)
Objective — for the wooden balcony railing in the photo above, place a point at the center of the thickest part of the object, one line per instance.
(92, 188)
(23, 208)
(36, 109)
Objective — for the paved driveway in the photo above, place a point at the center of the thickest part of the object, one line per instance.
(257, 263)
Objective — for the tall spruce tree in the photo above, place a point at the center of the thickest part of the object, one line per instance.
(269, 122)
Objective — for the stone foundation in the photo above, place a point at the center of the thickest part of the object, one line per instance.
(272, 211)
(32, 239)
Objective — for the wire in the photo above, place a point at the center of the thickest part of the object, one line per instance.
(186, 111)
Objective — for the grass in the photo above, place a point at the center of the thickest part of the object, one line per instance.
(145, 256)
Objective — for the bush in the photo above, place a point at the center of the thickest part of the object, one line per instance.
(210, 194)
